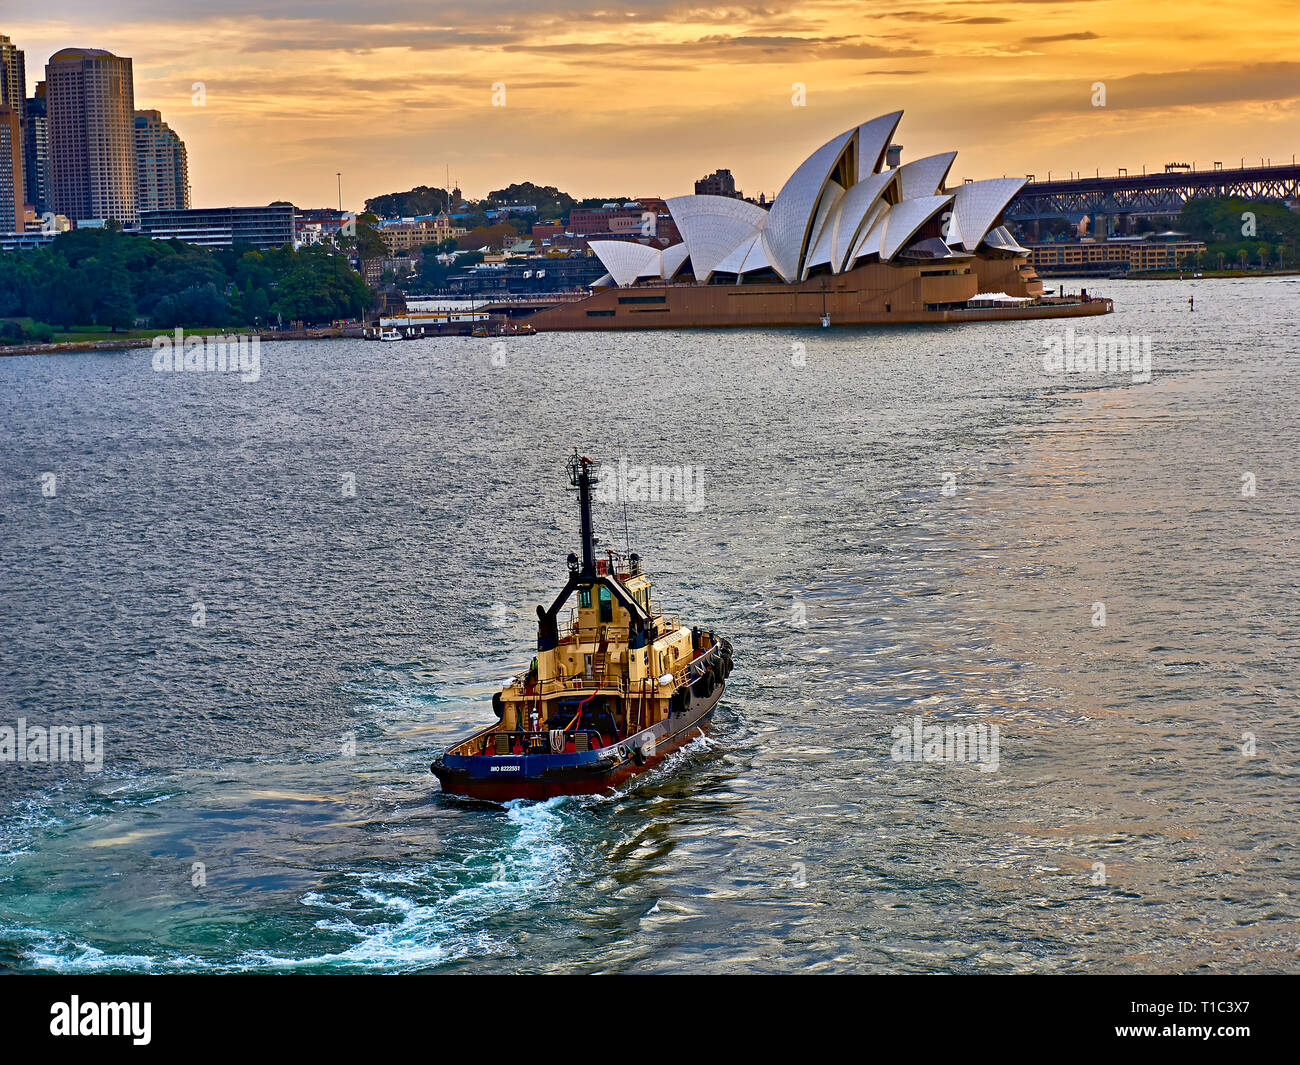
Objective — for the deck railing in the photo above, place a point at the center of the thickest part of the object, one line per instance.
(540, 742)
(691, 671)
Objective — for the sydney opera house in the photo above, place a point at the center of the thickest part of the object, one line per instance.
(847, 240)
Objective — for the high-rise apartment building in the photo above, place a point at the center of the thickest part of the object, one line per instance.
(162, 168)
(13, 75)
(13, 94)
(11, 170)
(90, 104)
(36, 152)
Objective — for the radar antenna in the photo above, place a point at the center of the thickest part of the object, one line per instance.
(582, 476)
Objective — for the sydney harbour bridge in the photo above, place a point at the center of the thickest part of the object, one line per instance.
(1113, 203)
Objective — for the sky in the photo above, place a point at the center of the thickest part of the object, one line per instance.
(275, 98)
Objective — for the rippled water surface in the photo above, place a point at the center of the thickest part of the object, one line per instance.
(1123, 829)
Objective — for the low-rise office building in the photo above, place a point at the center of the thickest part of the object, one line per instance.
(218, 227)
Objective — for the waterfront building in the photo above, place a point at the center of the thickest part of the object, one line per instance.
(162, 165)
(216, 227)
(26, 241)
(847, 240)
(13, 213)
(839, 208)
(527, 276)
(36, 151)
(1116, 255)
(90, 105)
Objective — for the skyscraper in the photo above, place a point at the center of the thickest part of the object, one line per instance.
(162, 168)
(36, 152)
(13, 75)
(90, 104)
(13, 94)
(11, 170)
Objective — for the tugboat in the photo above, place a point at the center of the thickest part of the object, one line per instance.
(616, 685)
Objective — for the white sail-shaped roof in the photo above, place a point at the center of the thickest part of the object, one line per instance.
(976, 207)
(756, 258)
(735, 261)
(819, 237)
(872, 231)
(785, 233)
(906, 218)
(820, 252)
(1000, 237)
(673, 258)
(853, 212)
(712, 227)
(924, 177)
(817, 220)
(627, 260)
(873, 141)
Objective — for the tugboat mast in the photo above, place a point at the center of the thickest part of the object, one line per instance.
(581, 477)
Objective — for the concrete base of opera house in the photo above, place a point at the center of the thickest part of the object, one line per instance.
(871, 294)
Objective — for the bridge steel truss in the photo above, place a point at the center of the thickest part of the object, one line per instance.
(1150, 194)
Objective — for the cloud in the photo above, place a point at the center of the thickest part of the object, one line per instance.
(647, 95)
(1082, 36)
(722, 48)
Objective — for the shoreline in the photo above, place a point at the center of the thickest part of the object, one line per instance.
(56, 347)
(1172, 275)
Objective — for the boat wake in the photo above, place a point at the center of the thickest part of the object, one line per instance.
(399, 922)
(401, 917)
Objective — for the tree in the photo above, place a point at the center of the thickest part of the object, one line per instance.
(113, 305)
(549, 201)
(420, 200)
(100, 277)
(370, 245)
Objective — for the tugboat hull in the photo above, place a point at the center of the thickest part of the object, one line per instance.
(544, 776)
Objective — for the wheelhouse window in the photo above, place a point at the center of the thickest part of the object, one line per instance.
(606, 605)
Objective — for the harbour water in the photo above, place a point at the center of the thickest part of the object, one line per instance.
(279, 598)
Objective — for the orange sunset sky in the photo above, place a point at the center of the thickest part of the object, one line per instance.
(643, 98)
